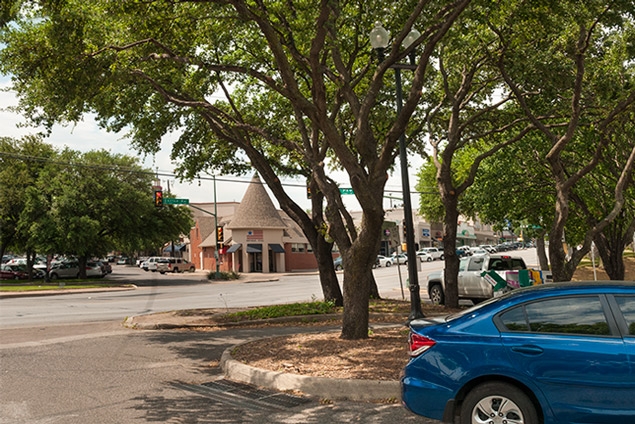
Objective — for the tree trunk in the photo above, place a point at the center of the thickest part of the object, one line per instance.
(328, 279)
(543, 261)
(373, 290)
(358, 262)
(82, 266)
(612, 253)
(30, 261)
(357, 278)
(451, 271)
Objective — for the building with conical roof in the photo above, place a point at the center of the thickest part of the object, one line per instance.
(256, 236)
(257, 232)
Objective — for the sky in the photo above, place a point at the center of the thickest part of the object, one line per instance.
(86, 136)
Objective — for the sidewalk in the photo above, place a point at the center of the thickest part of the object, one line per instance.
(324, 388)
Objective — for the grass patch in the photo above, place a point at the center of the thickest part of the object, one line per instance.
(223, 276)
(385, 307)
(277, 311)
(26, 287)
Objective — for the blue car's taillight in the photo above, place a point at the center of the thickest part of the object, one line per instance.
(418, 344)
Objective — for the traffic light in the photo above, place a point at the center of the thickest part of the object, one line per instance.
(219, 234)
(308, 191)
(158, 198)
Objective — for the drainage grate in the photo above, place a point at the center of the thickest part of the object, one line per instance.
(246, 395)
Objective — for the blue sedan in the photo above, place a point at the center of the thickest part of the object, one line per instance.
(556, 353)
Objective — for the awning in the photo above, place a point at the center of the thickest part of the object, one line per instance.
(233, 248)
(254, 248)
(276, 248)
(177, 248)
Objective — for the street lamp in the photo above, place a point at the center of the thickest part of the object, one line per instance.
(379, 38)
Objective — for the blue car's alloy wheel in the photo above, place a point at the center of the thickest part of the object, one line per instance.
(497, 403)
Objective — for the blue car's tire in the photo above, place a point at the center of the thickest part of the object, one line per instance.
(497, 403)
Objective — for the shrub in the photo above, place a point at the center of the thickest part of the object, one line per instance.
(223, 275)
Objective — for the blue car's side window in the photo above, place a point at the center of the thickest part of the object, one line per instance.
(515, 320)
(627, 306)
(568, 315)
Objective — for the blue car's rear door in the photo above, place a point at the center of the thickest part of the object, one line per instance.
(571, 353)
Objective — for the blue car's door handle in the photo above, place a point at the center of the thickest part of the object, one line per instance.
(527, 350)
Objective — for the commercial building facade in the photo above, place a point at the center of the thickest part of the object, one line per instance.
(259, 238)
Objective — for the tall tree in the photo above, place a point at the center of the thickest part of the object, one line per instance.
(156, 67)
(592, 199)
(516, 186)
(467, 119)
(99, 202)
(575, 86)
(21, 164)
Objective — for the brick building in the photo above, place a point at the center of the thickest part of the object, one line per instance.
(256, 236)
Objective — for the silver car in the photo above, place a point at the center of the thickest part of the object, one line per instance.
(64, 270)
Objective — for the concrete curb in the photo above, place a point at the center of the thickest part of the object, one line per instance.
(326, 388)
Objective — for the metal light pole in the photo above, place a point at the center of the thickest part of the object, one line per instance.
(216, 230)
(379, 38)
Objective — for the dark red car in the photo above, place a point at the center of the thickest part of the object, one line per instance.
(13, 272)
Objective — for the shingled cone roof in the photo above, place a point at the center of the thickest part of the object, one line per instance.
(256, 210)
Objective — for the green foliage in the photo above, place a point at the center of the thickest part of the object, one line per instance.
(277, 311)
(78, 204)
(223, 275)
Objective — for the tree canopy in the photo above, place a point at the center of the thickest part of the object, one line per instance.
(80, 204)
(284, 87)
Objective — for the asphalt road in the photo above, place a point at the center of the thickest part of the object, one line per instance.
(102, 373)
(67, 359)
(158, 293)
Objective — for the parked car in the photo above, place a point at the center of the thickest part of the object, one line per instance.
(337, 263)
(401, 258)
(64, 270)
(124, 261)
(424, 257)
(94, 269)
(554, 353)
(106, 268)
(488, 247)
(479, 252)
(174, 265)
(6, 258)
(383, 261)
(467, 251)
(435, 252)
(472, 284)
(13, 272)
(151, 263)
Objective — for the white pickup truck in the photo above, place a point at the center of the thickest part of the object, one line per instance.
(472, 284)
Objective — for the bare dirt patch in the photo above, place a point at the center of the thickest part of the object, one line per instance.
(380, 357)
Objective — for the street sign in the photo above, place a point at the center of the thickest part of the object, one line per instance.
(167, 201)
(346, 191)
